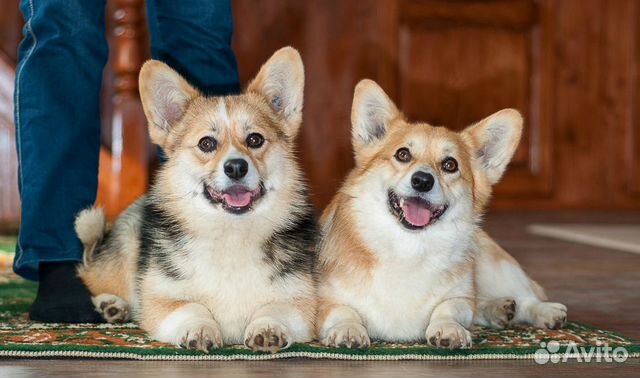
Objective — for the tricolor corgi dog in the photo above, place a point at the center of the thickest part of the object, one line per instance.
(221, 249)
(402, 257)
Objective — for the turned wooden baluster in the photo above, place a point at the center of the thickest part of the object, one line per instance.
(124, 170)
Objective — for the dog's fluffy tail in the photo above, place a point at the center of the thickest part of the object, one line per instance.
(90, 226)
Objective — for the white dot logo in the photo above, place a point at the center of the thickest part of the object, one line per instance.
(542, 355)
(554, 347)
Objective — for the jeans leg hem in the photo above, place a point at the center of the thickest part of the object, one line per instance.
(28, 267)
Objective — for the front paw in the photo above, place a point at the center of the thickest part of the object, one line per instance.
(266, 335)
(112, 308)
(448, 334)
(549, 315)
(347, 335)
(500, 312)
(203, 336)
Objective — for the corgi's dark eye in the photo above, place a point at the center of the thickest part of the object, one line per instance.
(207, 144)
(403, 155)
(450, 165)
(255, 140)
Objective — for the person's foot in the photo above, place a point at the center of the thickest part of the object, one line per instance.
(62, 297)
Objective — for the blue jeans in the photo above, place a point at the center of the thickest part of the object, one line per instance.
(57, 105)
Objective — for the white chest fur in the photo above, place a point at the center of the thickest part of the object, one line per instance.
(412, 274)
(397, 300)
(230, 277)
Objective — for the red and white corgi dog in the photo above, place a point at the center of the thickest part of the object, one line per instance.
(402, 257)
(221, 249)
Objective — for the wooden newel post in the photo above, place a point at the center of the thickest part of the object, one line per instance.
(124, 170)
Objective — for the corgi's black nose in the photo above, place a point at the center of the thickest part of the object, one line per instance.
(422, 181)
(236, 168)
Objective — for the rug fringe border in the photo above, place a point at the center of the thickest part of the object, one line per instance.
(277, 356)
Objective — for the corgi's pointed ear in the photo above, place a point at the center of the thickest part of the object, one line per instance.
(371, 112)
(281, 81)
(165, 96)
(494, 140)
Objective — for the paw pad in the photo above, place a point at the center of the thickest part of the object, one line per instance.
(201, 338)
(510, 309)
(349, 335)
(113, 308)
(266, 338)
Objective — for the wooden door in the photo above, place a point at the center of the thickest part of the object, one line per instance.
(570, 66)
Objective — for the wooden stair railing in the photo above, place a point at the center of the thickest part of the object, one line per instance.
(124, 167)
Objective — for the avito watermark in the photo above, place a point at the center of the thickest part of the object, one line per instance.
(602, 352)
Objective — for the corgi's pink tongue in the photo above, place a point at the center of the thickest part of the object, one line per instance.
(416, 212)
(237, 197)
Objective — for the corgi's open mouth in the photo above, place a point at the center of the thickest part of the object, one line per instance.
(236, 199)
(414, 212)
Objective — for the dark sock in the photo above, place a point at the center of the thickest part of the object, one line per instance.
(62, 297)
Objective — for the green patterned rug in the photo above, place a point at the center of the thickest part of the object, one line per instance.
(21, 338)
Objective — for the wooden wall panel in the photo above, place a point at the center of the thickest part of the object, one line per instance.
(10, 30)
(619, 95)
(578, 118)
(461, 61)
(456, 76)
(593, 102)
